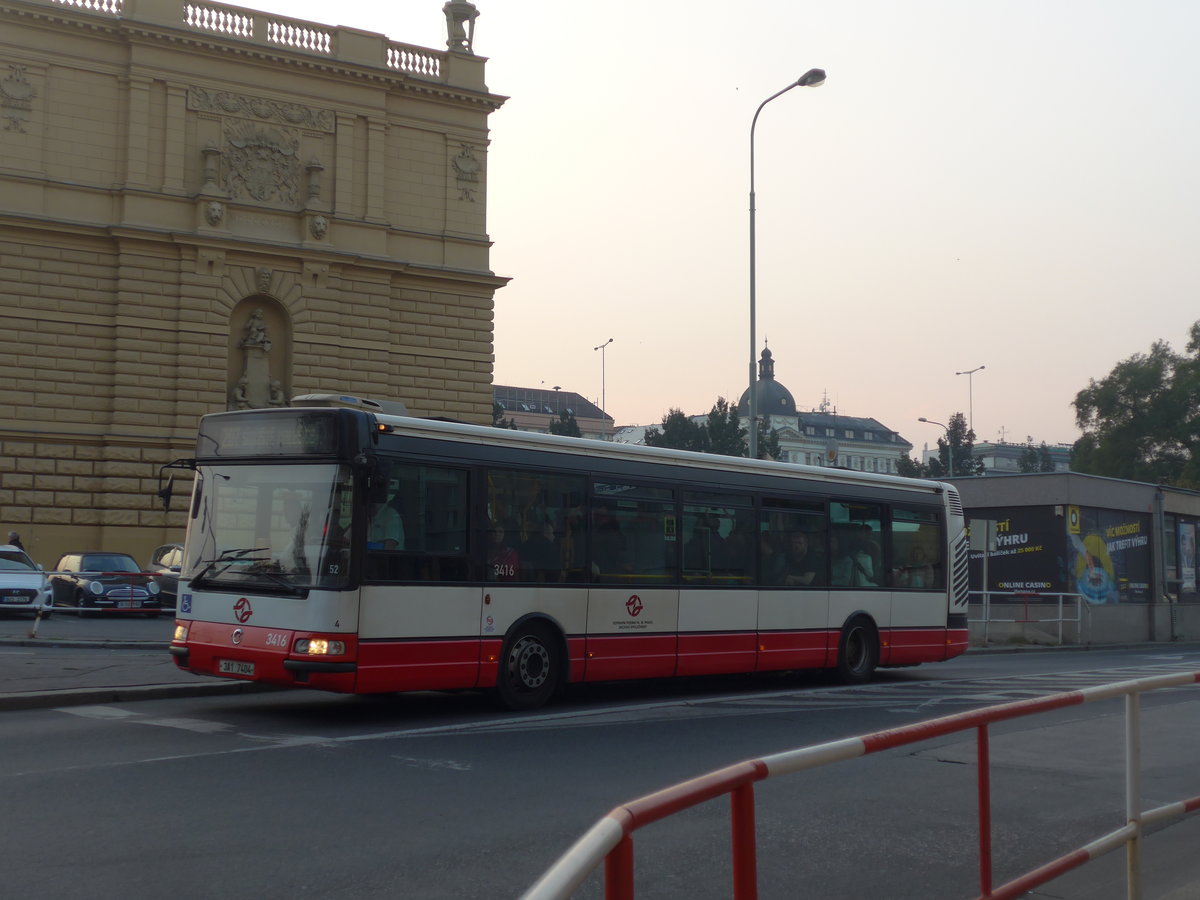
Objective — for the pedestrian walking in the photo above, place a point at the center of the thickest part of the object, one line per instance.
(15, 540)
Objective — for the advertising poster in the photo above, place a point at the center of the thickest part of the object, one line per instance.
(1024, 552)
(1187, 557)
(1110, 560)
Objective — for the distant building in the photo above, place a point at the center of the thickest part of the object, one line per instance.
(1002, 458)
(821, 437)
(533, 409)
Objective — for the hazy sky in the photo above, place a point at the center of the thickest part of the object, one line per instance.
(1012, 185)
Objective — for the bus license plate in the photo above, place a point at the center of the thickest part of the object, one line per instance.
(235, 667)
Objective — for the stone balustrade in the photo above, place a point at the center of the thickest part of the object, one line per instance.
(349, 45)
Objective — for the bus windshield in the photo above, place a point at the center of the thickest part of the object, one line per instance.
(271, 528)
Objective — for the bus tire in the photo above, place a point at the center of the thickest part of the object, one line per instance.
(858, 651)
(531, 667)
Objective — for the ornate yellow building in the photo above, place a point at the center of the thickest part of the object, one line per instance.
(204, 207)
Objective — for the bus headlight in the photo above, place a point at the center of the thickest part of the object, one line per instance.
(319, 647)
(180, 633)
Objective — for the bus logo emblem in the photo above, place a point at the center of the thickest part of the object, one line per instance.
(634, 606)
(242, 610)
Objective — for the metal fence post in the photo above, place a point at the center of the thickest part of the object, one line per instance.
(984, 778)
(618, 871)
(745, 853)
(1133, 793)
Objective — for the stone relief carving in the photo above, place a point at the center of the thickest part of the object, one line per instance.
(214, 212)
(262, 163)
(16, 99)
(262, 280)
(319, 227)
(293, 114)
(466, 172)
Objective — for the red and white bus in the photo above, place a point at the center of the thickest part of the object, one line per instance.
(337, 547)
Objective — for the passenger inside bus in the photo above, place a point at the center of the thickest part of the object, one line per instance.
(852, 566)
(541, 555)
(504, 563)
(386, 528)
(797, 566)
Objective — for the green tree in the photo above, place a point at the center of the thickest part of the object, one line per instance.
(678, 432)
(1036, 459)
(768, 441)
(498, 420)
(1142, 420)
(911, 468)
(566, 425)
(725, 432)
(962, 439)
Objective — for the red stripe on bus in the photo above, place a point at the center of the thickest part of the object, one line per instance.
(418, 665)
(796, 649)
(611, 657)
(716, 653)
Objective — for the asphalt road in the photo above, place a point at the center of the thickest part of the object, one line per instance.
(429, 795)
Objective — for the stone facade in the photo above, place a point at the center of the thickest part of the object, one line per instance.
(206, 207)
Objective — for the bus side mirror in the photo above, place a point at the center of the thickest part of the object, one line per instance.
(165, 491)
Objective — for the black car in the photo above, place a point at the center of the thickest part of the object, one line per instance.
(164, 563)
(97, 580)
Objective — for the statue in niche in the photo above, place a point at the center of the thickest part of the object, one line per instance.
(240, 396)
(256, 332)
(255, 388)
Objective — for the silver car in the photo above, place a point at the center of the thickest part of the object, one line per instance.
(23, 585)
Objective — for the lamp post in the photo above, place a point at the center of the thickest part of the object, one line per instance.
(970, 395)
(811, 78)
(949, 445)
(603, 375)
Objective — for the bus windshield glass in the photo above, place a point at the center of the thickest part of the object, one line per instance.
(270, 528)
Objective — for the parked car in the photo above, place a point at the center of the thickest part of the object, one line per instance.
(165, 562)
(23, 585)
(97, 580)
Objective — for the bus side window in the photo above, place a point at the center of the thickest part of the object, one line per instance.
(426, 538)
(542, 515)
(917, 539)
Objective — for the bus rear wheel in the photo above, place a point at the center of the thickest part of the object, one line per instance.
(530, 668)
(858, 651)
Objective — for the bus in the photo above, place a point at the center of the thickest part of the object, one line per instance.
(338, 547)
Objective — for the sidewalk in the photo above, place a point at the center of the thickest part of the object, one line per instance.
(48, 672)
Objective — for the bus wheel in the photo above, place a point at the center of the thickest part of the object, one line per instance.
(530, 668)
(858, 651)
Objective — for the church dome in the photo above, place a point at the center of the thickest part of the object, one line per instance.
(771, 397)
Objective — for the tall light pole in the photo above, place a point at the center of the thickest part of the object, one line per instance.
(603, 375)
(811, 78)
(949, 445)
(970, 395)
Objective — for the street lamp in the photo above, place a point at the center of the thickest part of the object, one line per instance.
(949, 446)
(970, 395)
(603, 395)
(811, 78)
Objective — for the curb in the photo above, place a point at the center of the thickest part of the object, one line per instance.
(84, 696)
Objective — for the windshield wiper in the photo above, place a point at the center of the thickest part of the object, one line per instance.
(229, 557)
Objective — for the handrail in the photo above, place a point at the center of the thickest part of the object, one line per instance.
(1027, 597)
(610, 839)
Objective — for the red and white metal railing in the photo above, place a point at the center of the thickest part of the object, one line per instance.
(610, 841)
